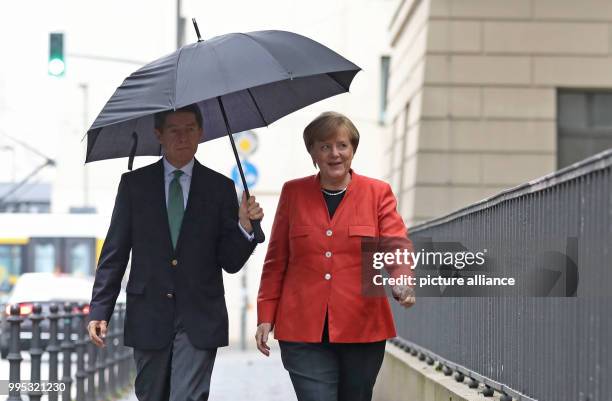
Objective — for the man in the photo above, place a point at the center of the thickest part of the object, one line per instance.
(182, 223)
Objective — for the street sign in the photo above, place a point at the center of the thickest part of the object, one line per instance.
(246, 142)
(250, 174)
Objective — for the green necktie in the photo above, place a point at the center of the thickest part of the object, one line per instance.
(176, 207)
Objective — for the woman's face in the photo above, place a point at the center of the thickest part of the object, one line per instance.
(333, 156)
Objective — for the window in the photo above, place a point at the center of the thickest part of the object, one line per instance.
(10, 266)
(584, 121)
(80, 256)
(384, 85)
(44, 257)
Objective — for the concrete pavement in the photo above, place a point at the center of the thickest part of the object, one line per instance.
(248, 376)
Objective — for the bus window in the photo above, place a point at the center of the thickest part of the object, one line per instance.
(44, 257)
(81, 257)
(11, 263)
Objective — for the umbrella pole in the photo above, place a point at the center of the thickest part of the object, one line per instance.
(259, 234)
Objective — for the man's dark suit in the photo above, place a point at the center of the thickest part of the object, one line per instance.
(165, 282)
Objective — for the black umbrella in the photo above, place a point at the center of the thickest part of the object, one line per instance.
(240, 81)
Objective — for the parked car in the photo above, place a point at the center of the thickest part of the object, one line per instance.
(45, 289)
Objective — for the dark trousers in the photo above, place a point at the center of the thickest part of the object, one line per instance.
(332, 371)
(178, 372)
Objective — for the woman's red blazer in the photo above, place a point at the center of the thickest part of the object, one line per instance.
(313, 264)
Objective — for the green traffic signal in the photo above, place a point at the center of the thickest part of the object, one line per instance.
(56, 65)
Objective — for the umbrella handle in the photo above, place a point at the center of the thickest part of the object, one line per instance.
(259, 234)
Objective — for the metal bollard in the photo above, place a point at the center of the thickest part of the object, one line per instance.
(67, 348)
(110, 355)
(36, 351)
(14, 356)
(119, 352)
(53, 348)
(124, 355)
(488, 391)
(100, 365)
(92, 353)
(81, 343)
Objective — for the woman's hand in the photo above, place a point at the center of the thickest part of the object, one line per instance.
(404, 295)
(261, 337)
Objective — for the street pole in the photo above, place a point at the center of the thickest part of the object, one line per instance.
(244, 310)
(85, 88)
(180, 25)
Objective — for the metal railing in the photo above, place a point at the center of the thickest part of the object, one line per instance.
(87, 372)
(555, 346)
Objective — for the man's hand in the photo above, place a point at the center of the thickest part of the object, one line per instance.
(261, 336)
(249, 211)
(97, 332)
(404, 295)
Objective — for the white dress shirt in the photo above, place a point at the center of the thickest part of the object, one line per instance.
(185, 181)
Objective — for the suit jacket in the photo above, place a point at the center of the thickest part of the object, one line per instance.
(313, 264)
(164, 281)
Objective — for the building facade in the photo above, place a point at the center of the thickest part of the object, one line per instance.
(484, 95)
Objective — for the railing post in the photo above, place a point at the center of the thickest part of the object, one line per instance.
(14, 355)
(111, 355)
(120, 349)
(92, 353)
(81, 343)
(67, 348)
(53, 348)
(36, 351)
(100, 365)
(126, 354)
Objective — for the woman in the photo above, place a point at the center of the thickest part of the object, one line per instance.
(332, 338)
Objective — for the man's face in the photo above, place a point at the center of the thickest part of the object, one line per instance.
(179, 137)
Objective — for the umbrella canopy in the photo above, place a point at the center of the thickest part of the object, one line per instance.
(240, 81)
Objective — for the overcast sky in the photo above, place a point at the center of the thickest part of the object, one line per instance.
(50, 113)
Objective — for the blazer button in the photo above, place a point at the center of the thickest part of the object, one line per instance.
(170, 295)
(327, 276)
(329, 233)
(174, 262)
(328, 254)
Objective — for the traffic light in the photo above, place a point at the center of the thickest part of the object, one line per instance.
(57, 65)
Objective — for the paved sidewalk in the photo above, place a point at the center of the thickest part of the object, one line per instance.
(248, 375)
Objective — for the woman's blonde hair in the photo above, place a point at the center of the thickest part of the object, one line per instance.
(325, 125)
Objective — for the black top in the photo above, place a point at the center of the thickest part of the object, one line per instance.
(333, 201)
